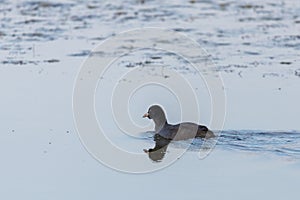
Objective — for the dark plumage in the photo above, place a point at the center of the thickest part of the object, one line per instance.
(182, 131)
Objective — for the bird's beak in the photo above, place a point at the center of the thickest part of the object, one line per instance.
(146, 115)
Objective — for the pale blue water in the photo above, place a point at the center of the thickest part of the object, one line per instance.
(279, 143)
(256, 47)
(276, 145)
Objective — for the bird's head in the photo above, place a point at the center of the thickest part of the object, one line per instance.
(155, 112)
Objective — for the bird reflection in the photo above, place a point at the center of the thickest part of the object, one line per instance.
(158, 152)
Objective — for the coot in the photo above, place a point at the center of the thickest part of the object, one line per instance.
(182, 131)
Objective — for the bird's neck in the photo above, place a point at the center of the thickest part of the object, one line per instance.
(159, 125)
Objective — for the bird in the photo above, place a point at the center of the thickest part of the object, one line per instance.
(182, 131)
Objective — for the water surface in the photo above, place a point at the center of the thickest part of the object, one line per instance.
(255, 46)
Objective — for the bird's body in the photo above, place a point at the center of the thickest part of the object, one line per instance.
(185, 130)
(182, 131)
